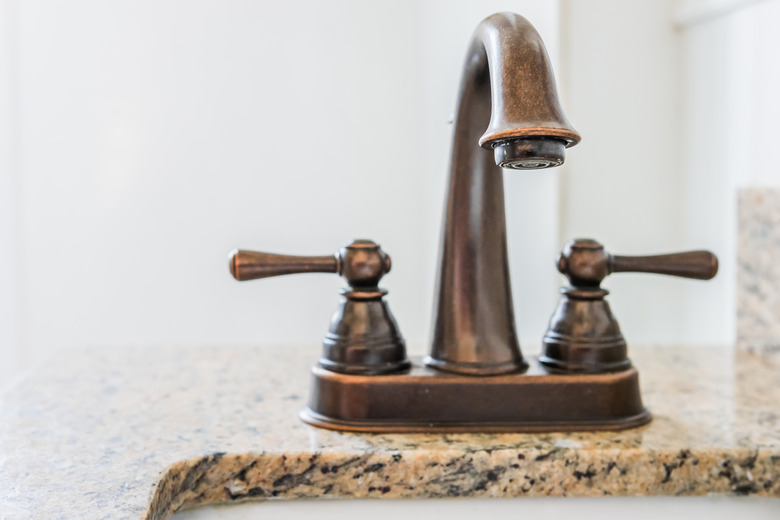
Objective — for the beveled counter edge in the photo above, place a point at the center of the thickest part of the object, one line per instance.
(221, 478)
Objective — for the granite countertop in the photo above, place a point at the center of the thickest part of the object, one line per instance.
(142, 433)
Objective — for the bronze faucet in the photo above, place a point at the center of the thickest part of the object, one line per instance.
(507, 87)
(475, 378)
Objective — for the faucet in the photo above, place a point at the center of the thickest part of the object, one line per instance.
(508, 88)
(475, 378)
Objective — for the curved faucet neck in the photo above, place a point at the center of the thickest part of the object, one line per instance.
(507, 87)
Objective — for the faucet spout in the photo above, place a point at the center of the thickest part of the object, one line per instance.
(507, 88)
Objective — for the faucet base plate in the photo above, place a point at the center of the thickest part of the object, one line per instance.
(425, 400)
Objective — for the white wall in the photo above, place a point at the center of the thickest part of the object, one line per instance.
(622, 184)
(141, 141)
(11, 353)
(731, 83)
(677, 103)
(150, 138)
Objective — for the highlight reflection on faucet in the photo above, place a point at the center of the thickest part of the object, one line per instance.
(508, 92)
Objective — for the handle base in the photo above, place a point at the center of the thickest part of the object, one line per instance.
(583, 336)
(363, 337)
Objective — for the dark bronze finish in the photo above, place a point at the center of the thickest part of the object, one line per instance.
(583, 335)
(426, 400)
(363, 337)
(473, 379)
(252, 265)
(507, 87)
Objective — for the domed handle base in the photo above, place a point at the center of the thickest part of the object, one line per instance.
(583, 336)
(363, 338)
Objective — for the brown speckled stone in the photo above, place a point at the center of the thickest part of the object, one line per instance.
(758, 270)
(142, 433)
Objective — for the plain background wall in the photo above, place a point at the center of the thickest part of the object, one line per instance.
(141, 141)
(622, 183)
(151, 138)
(731, 83)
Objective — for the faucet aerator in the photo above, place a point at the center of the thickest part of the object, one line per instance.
(530, 153)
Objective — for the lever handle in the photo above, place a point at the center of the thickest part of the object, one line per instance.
(251, 265)
(362, 263)
(701, 265)
(586, 263)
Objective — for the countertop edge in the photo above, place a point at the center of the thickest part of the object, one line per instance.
(222, 478)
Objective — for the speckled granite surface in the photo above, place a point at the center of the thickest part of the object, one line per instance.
(758, 270)
(142, 433)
